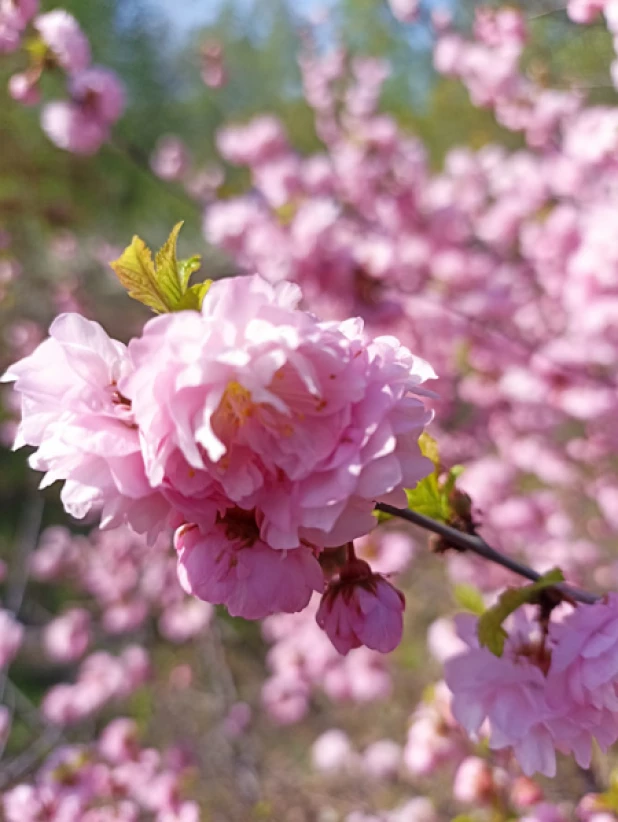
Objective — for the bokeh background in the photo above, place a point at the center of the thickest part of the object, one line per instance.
(68, 216)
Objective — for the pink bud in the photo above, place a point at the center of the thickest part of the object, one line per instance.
(362, 608)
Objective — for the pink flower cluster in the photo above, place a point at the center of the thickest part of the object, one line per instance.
(129, 580)
(303, 661)
(500, 269)
(269, 434)
(82, 123)
(102, 678)
(114, 779)
(543, 695)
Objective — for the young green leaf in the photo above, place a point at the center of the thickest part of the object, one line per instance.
(135, 270)
(469, 598)
(163, 285)
(191, 300)
(490, 632)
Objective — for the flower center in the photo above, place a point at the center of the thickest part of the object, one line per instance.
(236, 404)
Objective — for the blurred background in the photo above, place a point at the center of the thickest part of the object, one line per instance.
(67, 216)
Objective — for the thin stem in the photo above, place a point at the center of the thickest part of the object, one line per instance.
(477, 545)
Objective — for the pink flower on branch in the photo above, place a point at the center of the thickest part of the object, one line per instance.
(258, 405)
(83, 427)
(63, 36)
(362, 608)
(231, 565)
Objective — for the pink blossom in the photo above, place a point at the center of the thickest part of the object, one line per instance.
(306, 422)
(99, 93)
(388, 552)
(14, 17)
(405, 10)
(584, 666)
(382, 759)
(67, 637)
(82, 427)
(510, 691)
(118, 742)
(170, 159)
(11, 636)
(333, 752)
(185, 620)
(62, 35)
(475, 782)
(231, 565)
(362, 608)
(23, 88)
(261, 139)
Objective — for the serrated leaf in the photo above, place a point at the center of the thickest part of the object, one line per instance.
(162, 285)
(188, 267)
(489, 630)
(166, 264)
(192, 299)
(469, 598)
(135, 270)
(427, 498)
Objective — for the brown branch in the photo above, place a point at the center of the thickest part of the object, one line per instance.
(477, 545)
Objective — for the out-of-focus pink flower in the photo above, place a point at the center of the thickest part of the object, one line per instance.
(544, 812)
(382, 759)
(63, 36)
(118, 741)
(261, 139)
(82, 124)
(231, 565)
(24, 89)
(362, 608)
(405, 10)
(11, 635)
(71, 128)
(170, 158)
(474, 782)
(185, 620)
(14, 17)
(419, 809)
(82, 427)
(67, 637)
(332, 752)
(99, 92)
(388, 552)
(213, 71)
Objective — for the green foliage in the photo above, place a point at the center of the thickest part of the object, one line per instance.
(162, 285)
(469, 598)
(490, 630)
(432, 495)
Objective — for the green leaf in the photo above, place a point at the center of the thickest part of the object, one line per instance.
(428, 499)
(136, 271)
(166, 263)
(188, 267)
(490, 632)
(449, 484)
(469, 598)
(191, 300)
(162, 285)
(429, 448)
